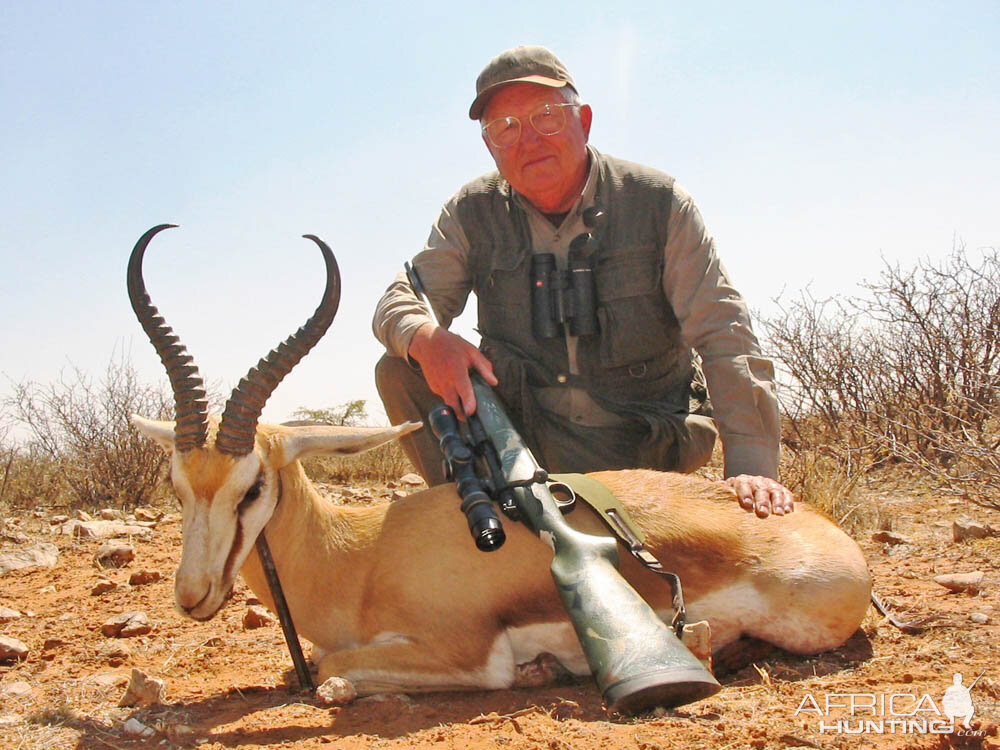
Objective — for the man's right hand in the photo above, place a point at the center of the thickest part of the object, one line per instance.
(445, 359)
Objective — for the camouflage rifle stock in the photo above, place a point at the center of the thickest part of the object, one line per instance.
(636, 659)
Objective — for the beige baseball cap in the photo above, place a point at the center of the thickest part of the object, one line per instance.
(531, 64)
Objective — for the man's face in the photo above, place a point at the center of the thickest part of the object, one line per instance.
(548, 170)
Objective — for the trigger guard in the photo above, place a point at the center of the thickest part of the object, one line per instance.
(564, 496)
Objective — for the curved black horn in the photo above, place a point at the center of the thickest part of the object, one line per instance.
(191, 408)
(239, 420)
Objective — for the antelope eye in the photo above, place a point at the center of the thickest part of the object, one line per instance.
(251, 494)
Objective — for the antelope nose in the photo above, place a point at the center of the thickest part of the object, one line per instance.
(189, 597)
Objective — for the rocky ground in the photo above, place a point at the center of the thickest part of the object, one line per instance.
(78, 640)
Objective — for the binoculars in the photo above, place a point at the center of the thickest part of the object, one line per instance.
(566, 298)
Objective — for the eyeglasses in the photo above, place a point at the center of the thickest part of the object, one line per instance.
(548, 119)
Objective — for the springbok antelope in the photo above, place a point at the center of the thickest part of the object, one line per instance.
(396, 597)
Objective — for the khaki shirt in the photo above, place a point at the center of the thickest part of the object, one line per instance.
(713, 317)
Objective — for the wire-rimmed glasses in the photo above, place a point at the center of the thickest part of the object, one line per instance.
(548, 119)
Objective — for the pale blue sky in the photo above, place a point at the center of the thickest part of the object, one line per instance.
(815, 137)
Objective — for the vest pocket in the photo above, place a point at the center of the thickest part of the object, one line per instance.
(502, 291)
(637, 323)
(634, 330)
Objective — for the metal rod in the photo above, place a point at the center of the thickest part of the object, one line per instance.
(284, 616)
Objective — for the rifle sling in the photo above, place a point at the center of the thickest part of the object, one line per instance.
(610, 509)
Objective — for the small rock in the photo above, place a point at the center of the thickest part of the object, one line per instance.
(411, 479)
(103, 586)
(57, 520)
(44, 555)
(7, 614)
(11, 650)
(399, 494)
(104, 529)
(82, 515)
(336, 691)
(114, 554)
(127, 625)
(256, 617)
(967, 528)
(103, 680)
(135, 728)
(968, 583)
(143, 690)
(51, 643)
(183, 734)
(979, 618)
(115, 654)
(110, 514)
(145, 513)
(50, 589)
(890, 537)
(142, 577)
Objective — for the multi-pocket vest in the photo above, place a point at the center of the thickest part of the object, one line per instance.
(638, 354)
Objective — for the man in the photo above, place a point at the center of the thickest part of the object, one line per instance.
(606, 385)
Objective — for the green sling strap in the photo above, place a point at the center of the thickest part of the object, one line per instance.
(617, 519)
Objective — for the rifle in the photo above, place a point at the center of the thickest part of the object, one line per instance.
(637, 661)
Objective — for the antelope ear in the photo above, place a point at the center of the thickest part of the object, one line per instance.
(333, 440)
(160, 431)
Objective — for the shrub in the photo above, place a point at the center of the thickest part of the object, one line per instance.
(910, 373)
(82, 449)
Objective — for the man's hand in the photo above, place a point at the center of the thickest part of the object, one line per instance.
(762, 495)
(445, 359)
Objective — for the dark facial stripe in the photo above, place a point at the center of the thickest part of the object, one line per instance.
(227, 569)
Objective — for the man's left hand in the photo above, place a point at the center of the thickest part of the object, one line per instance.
(762, 495)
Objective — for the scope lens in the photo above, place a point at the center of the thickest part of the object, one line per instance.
(489, 535)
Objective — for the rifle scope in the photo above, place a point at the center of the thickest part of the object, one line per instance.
(484, 524)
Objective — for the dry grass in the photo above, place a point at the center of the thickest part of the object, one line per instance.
(829, 485)
(383, 464)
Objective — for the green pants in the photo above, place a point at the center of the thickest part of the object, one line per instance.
(561, 446)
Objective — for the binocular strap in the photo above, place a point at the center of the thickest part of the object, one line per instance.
(618, 520)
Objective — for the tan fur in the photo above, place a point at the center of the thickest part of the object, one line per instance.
(206, 470)
(400, 599)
